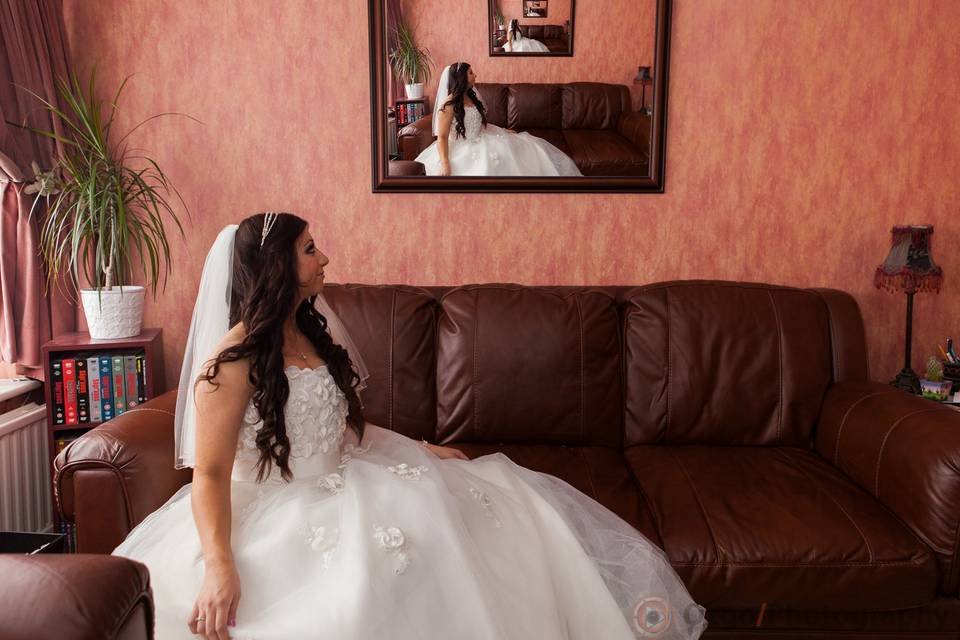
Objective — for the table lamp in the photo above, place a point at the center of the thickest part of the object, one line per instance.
(909, 268)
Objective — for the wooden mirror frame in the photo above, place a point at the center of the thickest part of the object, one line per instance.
(385, 183)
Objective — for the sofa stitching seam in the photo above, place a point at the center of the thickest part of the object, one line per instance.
(843, 422)
(476, 335)
(393, 316)
(586, 464)
(883, 444)
(696, 495)
(776, 315)
(839, 506)
(666, 298)
(580, 343)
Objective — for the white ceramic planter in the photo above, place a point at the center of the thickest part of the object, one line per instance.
(414, 91)
(118, 314)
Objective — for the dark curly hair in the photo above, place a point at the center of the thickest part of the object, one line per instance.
(458, 86)
(265, 290)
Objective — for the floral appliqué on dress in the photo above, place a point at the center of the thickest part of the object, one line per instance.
(391, 539)
(486, 503)
(315, 415)
(407, 472)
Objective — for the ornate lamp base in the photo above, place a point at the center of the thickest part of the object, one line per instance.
(907, 380)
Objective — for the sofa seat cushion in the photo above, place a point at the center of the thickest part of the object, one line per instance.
(599, 472)
(604, 152)
(747, 526)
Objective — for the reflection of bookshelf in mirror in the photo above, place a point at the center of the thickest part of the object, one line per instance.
(90, 381)
(409, 111)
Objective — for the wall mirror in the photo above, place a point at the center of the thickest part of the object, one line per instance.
(531, 27)
(593, 121)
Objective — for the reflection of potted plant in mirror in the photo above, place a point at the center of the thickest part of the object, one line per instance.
(100, 210)
(410, 63)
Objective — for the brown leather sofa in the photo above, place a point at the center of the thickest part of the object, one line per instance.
(591, 122)
(554, 36)
(734, 424)
(74, 597)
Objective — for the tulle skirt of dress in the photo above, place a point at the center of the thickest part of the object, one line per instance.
(409, 546)
(498, 152)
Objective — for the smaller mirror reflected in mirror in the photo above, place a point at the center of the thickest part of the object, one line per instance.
(531, 27)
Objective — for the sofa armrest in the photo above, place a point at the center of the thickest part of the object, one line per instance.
(406, 168)
(905, 450)
(74, 596)
(415, 137)
(112, 477)
(635, 127)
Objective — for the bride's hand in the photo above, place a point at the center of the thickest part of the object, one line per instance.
(217, 602)
(444, 168)
(446, 452)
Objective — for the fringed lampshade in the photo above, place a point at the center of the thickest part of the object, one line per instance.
(909, 268)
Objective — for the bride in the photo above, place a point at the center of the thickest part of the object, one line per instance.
(518, 43)
(467, 145)
(305, 521)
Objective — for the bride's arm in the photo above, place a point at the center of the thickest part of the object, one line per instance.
(220, 410)
(444, 120)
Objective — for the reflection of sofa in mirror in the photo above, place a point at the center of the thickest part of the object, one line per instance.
(591, 122)
(552, 35)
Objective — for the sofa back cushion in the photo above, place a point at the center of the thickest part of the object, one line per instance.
(494, 97)
(724, 363)
(528, 364)
(535, 106)
(594, 105)
(576, 105)
(395, 330)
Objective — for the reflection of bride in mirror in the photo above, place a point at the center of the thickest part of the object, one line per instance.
(518, 43)
(467, 145)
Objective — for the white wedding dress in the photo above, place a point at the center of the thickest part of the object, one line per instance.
(386, 540)
(494, 151)
(523, 44)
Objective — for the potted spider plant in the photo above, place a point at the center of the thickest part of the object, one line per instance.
(103, 213)
(410, 63)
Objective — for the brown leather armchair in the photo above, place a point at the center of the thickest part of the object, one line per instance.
(74, 597)
(591, 122)
(734, 424)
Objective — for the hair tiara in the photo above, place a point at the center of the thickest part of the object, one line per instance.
(269, 219)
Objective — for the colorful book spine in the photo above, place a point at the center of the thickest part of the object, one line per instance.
(56, 374)
(119, 393)
(70, 390)
(83, 397)
(130, 375)
(106, 388)
(93, 378)
(141, 379)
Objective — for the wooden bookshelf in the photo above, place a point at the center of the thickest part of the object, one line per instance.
(80, 345)
(409, 111)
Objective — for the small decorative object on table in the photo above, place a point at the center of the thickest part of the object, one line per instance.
(934, 387)
(909, 268)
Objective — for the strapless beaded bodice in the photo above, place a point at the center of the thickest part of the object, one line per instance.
(472, 124)
(316, 416)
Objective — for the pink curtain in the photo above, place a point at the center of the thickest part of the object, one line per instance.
(394, 16)
(33, 53)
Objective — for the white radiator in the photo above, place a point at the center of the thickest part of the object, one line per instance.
(25, 480)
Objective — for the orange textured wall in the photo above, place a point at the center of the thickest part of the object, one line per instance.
(798, 134)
